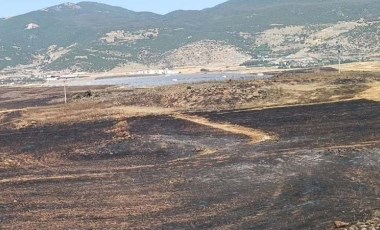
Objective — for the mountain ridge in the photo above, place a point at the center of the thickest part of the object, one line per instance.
(94, 37)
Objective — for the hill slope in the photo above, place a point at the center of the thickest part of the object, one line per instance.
(90, 36)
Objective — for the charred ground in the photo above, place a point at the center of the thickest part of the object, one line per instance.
(133, 170)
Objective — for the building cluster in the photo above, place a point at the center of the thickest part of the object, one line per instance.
(155, 72)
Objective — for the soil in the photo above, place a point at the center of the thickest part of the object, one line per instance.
(317, 164)
(322, 167)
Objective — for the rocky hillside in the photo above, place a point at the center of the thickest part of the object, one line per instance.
(95, 37)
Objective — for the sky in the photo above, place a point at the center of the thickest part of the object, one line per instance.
(16, 7)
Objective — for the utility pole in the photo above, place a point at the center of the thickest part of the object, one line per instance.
(338, 46)
(64, 89)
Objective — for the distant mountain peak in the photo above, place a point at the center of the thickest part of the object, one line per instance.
(69, 4)
(64, 6)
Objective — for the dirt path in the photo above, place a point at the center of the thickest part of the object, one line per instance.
(256, 136)
(78, 176)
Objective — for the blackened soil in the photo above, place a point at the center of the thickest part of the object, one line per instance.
(323, 167)
(308, 126)
(62, 139)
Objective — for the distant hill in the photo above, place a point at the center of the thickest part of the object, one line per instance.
(96, 37)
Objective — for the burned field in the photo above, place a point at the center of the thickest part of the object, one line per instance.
(164, 171)
(318, 125)
(23, 97)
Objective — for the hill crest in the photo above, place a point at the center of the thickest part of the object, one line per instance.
(89, 36)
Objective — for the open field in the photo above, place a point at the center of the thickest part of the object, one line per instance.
(361, 66)
(303, 152)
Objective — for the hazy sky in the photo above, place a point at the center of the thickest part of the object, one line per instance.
(16, 7)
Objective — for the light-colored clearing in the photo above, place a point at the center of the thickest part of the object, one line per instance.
(360, 66)
(304, 87)
(372, 94)
(332, 31)
(256, 136)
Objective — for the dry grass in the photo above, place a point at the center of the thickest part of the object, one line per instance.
(373, 93)
(361, 66)
(121, 131)
(2, 116)
(304, 87)
(207, 152)
(19, 161)
(79, 112)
